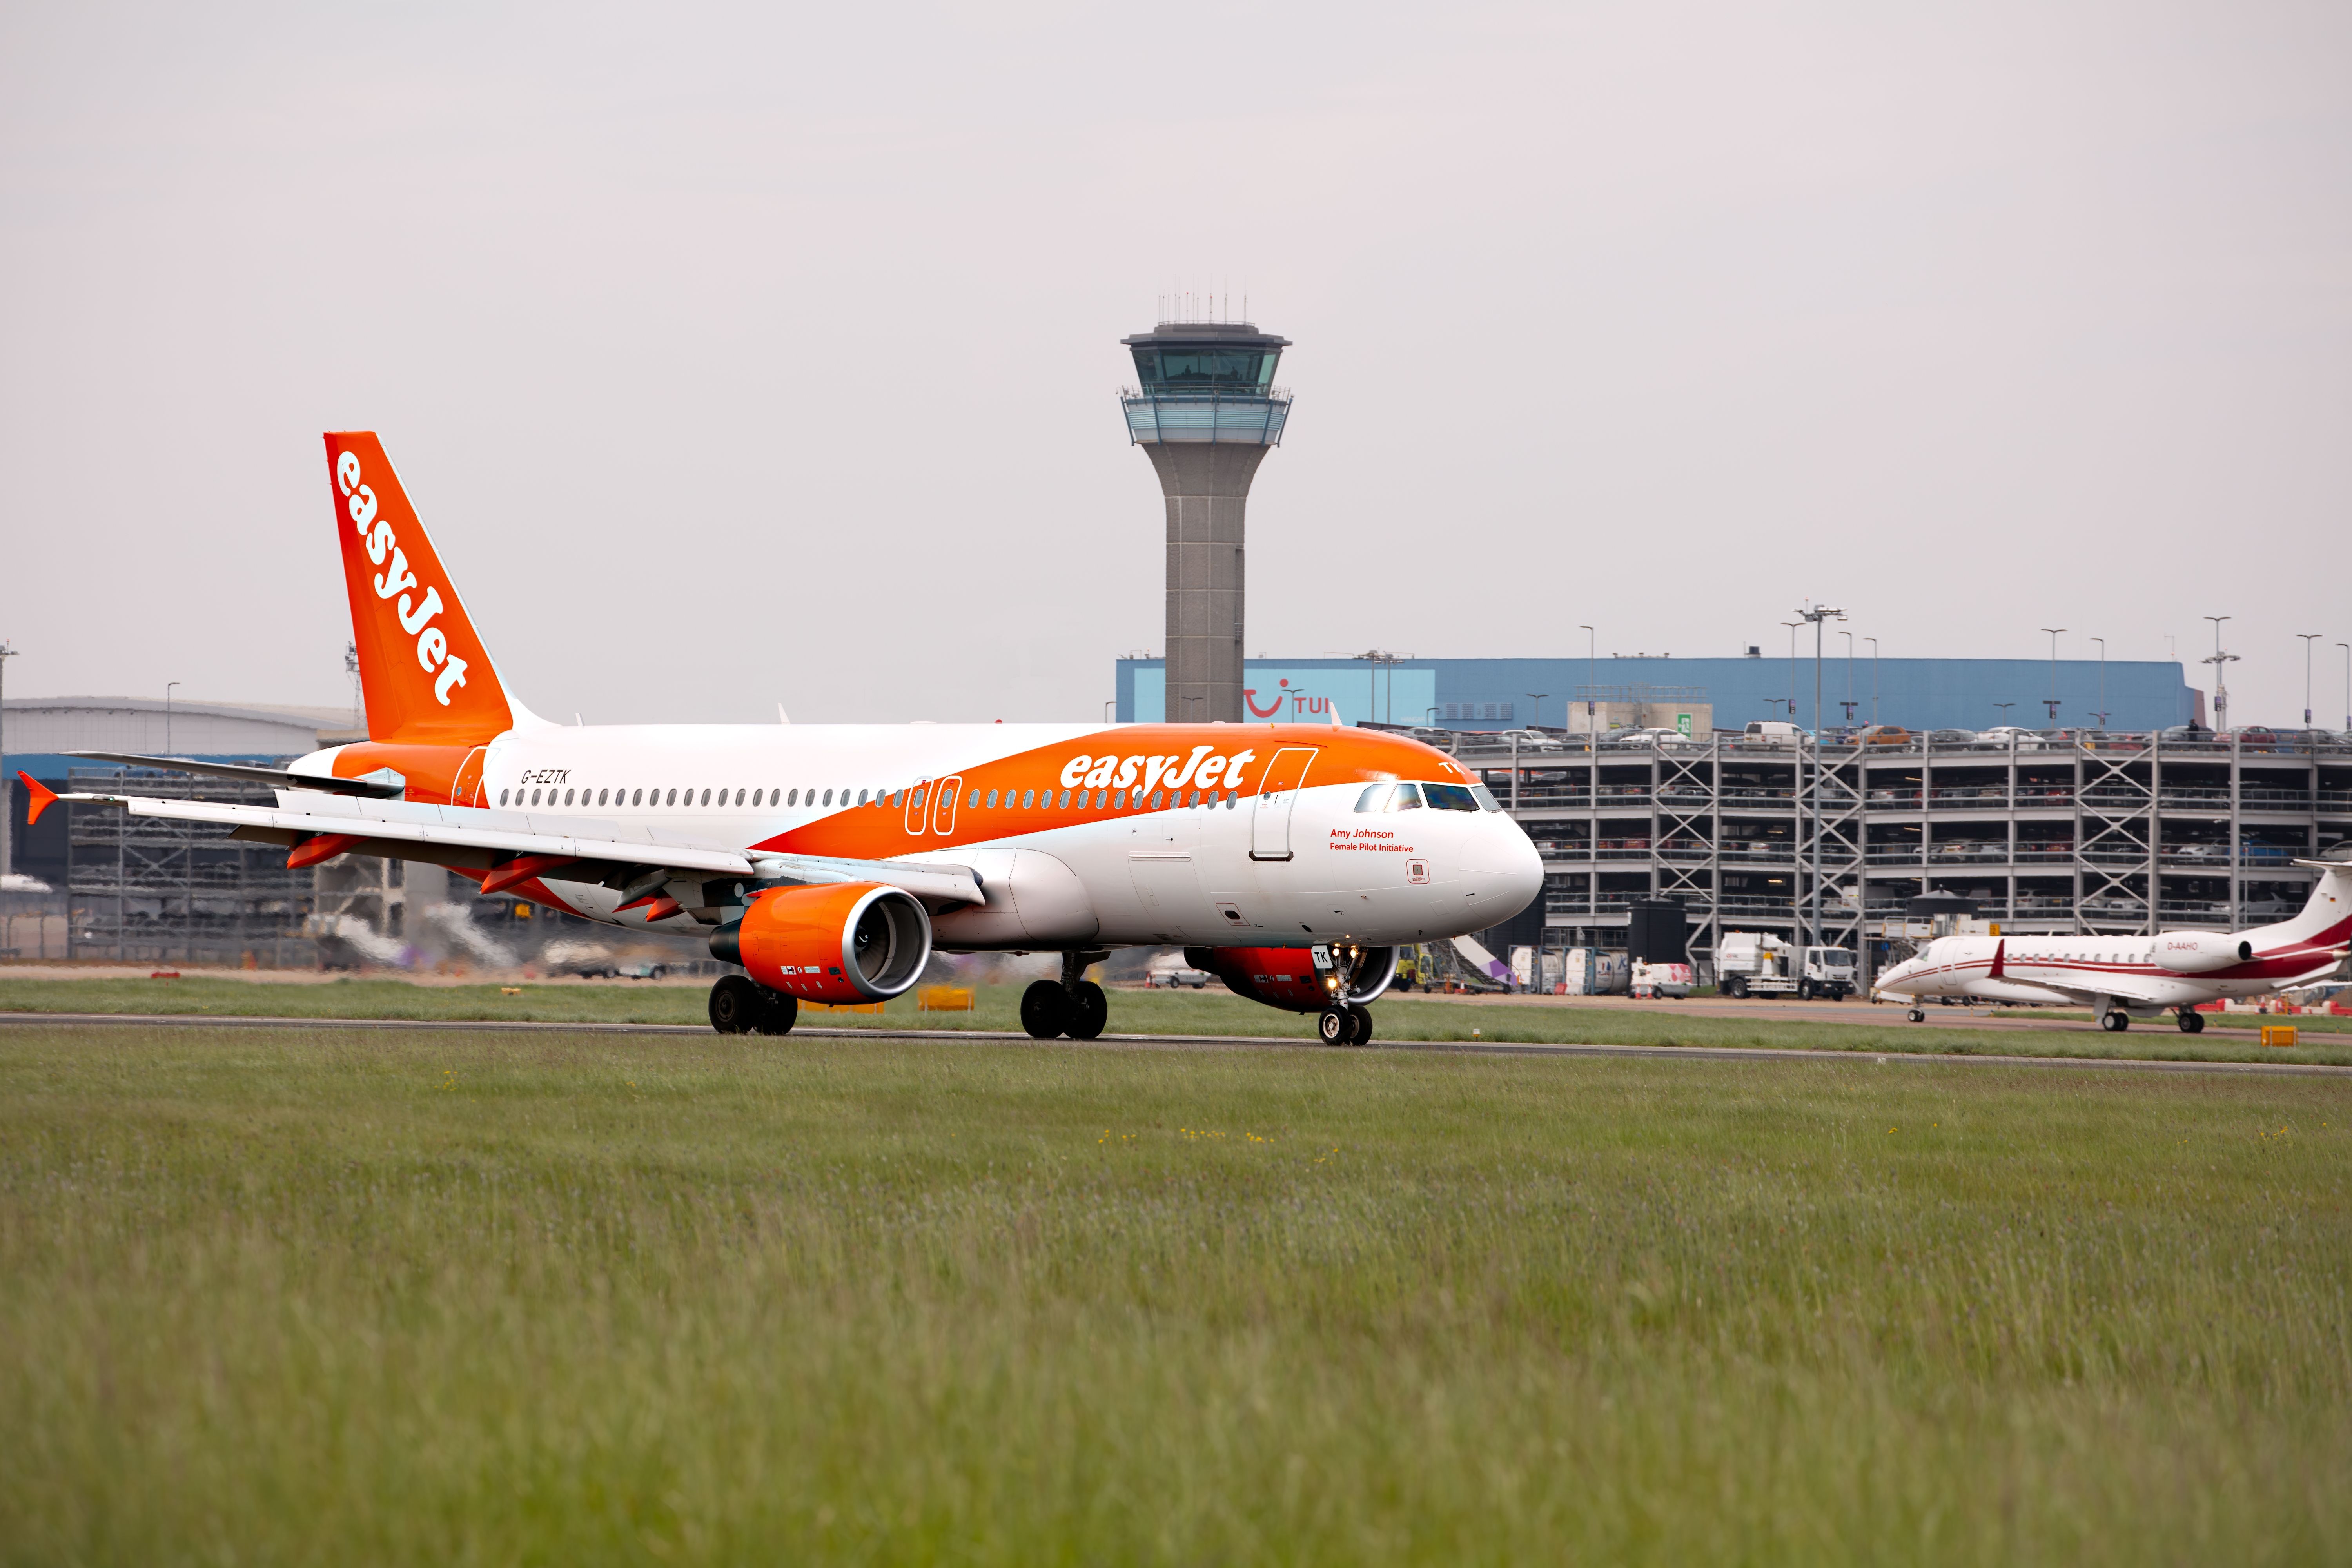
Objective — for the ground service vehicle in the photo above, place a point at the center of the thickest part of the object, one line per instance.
(828, 861)
(1757, 964)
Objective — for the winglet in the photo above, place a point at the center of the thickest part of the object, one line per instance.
(39, 799)
(1999, 951)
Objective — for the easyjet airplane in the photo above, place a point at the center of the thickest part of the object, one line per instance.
(2118, 976)
(828, 861)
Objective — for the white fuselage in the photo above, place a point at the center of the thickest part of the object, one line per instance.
(1222, 867)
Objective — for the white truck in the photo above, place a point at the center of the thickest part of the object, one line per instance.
(1757, 964)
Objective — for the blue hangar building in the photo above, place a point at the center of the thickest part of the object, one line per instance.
(1729, 693)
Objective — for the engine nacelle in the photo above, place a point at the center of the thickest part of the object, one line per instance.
(2196, 951)
(1287, 976)
(848, 941)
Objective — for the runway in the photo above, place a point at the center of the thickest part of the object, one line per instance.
(1194, 1042)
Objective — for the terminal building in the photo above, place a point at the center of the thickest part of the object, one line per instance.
(2126, 830)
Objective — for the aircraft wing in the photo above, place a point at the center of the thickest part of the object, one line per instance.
(508, 848)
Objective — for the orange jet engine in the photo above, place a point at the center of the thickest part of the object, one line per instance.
(848, 941)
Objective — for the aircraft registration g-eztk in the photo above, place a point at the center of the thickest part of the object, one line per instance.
(828, 861)
(2118, 976)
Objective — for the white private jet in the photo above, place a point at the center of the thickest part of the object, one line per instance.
(2119, 977)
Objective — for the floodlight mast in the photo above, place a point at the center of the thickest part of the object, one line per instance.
(2308, 639)
(2051, 700)
(2220, 662)
(1816, 614)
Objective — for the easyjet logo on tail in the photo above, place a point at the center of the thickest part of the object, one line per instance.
(423, 669)
(399, 580)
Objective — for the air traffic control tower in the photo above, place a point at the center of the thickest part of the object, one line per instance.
(1205, 411)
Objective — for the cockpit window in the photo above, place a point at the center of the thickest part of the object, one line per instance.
(1373, 798)
(1449, 797)
(1407, 798)
(1486, 797)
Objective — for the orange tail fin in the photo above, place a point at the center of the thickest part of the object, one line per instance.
(423, 669)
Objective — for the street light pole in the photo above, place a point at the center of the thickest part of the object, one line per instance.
(7, 779)
(1792, 626)
(2053, 699)
(1592, 675)
(2308, 639)
(2346, 647)
(1535, 720)
(168, 687)
(2103, 680)
(1849, 704)
(1873, 677)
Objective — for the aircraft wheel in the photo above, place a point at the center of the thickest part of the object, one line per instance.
(1044, 1009)
(2115, 1022)
(1364, 1016)
(780, 1014)
(1335, 1025)
(1917, 1014)
(2191, 1021)
(736, 1004)
(1089, 1010)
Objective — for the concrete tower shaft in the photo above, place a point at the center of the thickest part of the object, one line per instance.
(1206, 413)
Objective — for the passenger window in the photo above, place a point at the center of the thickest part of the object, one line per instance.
(758, 796)
(1028, 798)
(603, 796)
(793, 799)
(705, 797)
(739, 798)
(534, 797)
(673, 798)
(1156, 797)
(1373, 798)
(992, 800)
(502, 798)
(973, 804)
(1066, 800)
(636, 797)
(1407, 798)
(1119, 800)
(829, 797)
(919, 799)
(861, 797)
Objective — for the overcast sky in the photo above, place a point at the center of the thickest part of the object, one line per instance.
(738, 356)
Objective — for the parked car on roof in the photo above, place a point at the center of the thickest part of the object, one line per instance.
(2024, 739)
(1882, 735)
(1951, 737)
(1771, 733)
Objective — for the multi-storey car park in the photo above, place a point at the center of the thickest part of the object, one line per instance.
(2058, 832)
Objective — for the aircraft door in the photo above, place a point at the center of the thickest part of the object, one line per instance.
(944, 804)
(1277, 793)
(465, 788)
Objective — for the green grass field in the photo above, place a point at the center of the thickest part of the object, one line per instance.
(1212, 1012)
(270, 1296)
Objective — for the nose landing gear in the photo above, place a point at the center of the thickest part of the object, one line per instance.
(1917, 1014)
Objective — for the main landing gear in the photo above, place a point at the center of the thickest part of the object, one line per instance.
(2115, 1021)
(2191, 1021)
(1072, 1005)
(740, 1006)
